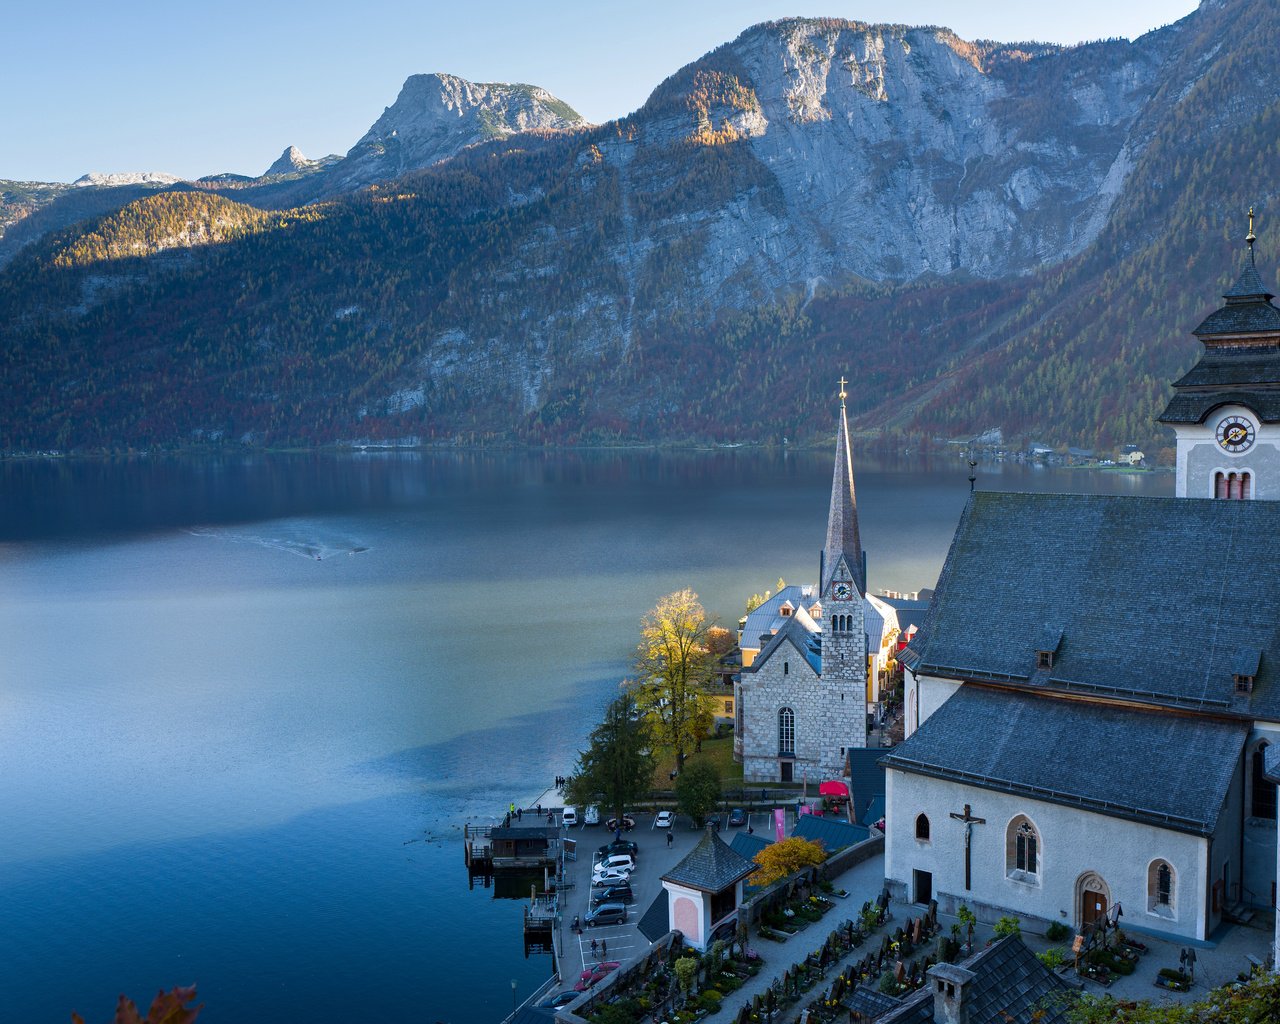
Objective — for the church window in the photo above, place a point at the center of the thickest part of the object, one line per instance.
(1263, 804)
(1160, 888)
(922, 826)
(786, 668)
(786, 731)
(1022, 850)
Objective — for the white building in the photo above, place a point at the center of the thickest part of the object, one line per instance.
(1092, 695)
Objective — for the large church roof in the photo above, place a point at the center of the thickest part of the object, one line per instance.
(1153, 598)
(1167, 769)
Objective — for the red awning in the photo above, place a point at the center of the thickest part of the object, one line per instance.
(833, 788)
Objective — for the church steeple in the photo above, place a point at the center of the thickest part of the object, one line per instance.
(842, 519)
(1225, 410)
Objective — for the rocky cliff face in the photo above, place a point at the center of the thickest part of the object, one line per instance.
(938, 216)
(437, 116)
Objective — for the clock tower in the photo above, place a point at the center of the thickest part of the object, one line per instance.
(843, 590)
(1226, 409)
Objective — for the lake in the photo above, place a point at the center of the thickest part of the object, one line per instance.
(247, 702)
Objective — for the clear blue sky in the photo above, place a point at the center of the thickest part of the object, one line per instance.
(196, 88)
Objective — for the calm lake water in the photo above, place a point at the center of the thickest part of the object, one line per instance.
(246, 703)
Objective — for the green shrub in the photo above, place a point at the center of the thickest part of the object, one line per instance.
(1053, 957)
(1057, 931)
(1008, 925)
(888, 984)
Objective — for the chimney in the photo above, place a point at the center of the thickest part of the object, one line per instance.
(952, 993)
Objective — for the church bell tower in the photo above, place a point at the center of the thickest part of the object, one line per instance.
(843, 593)
(1226, 409)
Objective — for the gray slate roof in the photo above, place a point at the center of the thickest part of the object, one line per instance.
(765, 619)
(747, 844)
(793, 633)
(1154, 597)
(1009, 984)
(1170, 770)
(1248, 309)
(832, 833)
(866, 778)
(710, 866)
(842, 517)
(1195, 406)
(656, 921)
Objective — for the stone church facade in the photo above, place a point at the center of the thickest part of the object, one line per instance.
(802, 701)
(1093, 695)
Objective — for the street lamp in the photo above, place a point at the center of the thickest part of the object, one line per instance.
(513, 995)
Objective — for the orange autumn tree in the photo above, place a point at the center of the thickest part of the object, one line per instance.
(777, 860)
(166, 1008)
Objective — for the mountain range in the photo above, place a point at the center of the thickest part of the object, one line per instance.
(976, 234)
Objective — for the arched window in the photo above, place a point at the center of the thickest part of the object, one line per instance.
(1160, 888)
(1233, 486)
(1022, 850)
(786, 731)
(1263, 804)
(922, 826)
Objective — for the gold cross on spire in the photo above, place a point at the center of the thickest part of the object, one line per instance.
(1252, 238)
(843, 396)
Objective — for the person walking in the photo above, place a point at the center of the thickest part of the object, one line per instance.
(519, 814)
(594, 947)
(604, 948)
(671, 838)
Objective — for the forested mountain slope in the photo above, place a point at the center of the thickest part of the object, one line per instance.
(977, 234)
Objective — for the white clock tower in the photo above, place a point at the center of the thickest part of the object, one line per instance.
(1226, 409)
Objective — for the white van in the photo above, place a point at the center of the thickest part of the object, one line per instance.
(570, 817)
(591, 816)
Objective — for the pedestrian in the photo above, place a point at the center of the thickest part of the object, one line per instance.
(594, 947)
(671, 838)
(551, 817)
(604, 948)
(512, 812)
(519, 814)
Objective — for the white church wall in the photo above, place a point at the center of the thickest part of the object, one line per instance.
(785, 680)
(1199, 456)
(931, 692)
(1071, 843)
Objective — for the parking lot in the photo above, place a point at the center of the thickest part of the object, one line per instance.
(653, 859)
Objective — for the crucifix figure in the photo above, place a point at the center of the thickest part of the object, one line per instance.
(969, 821)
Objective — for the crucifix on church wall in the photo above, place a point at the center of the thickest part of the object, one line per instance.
(969, 821)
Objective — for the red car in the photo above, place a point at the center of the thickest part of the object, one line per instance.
(597, 973)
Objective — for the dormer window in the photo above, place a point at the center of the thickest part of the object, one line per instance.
(1244, 668)
(1047, 643)
(787, 608)
(816, 611)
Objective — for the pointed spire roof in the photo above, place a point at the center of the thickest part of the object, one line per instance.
(1248, 309)
(842, 519)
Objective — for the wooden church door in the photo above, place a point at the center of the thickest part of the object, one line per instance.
(1093, 906)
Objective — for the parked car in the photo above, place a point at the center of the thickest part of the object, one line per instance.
(620, 892)
(665, 819)
(593, 974)
(570, 817)
(591, 816)
(619, 846)
(610, 876)
(615, 860)
(624, 824)
(737, 817)
(559, 999)
(606, 913)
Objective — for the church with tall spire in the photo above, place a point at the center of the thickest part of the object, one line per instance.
(807, 678)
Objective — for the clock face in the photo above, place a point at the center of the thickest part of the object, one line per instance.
(842, 591)
(1235, 434)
